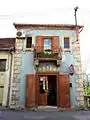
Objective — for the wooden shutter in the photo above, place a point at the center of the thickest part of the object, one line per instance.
(55, 43)
(39, 43)
(64, 91)
(30, 90)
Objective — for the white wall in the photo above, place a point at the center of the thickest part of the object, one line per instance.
(7, 56)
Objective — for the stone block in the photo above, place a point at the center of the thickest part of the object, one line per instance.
(17, 44)
(80, 98)
(17, 55)
(15, 76)
(17, 52)
(81, 102)
(78, 60)
(80, 76)
(15, 98)
(19, 41)
(15, 67)
(18, 47)
(79, 89)
(76, 53)
(79, 80)
(16, 85)
(77, 56)
(17, 71)
(79, 72)
(81, 93)
(80, 84)
(16, 80)
(12, 103)
(17, 59)
(18, 63)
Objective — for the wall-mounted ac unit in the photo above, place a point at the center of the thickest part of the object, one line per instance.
(20, 34)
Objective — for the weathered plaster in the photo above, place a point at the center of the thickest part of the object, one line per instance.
(23, 64)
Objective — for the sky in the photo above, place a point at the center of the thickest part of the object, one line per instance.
(47, 12)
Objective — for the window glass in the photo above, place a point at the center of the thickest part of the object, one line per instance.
(28, 42)
(2, 64)
(47, 43)
(42, 85)
(66, 43)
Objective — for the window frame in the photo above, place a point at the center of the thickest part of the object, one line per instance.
(5, 60)
(27, 41)
(29, 49)
(47, 37)
(70, 45)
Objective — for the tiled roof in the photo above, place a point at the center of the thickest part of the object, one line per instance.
(54, 26)
(7, 44)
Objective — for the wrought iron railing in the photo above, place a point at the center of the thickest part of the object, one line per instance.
(41, 52)
(48, 48)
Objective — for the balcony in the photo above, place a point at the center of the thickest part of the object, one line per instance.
(53, 54)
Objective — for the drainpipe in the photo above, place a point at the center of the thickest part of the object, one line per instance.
(75, 9)
(10, 74)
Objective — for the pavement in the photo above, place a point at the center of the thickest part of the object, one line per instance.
(44, 115)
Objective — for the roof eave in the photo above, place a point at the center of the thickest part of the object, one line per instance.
(58, 26)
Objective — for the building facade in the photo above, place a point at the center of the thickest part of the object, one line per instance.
(46, 66)
(7, 46)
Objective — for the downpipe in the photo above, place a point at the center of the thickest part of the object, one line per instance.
(10, 75)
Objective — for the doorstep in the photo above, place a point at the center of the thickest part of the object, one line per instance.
(47, 108)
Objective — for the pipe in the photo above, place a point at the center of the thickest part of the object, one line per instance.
(81, 30)
(10, 74)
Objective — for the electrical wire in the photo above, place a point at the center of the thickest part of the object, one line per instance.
(58, 10)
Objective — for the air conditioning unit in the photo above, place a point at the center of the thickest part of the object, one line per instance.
(20, 34)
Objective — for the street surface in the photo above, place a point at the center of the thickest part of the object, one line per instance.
(44, 115)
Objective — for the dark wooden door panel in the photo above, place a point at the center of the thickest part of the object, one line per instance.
(30, 90)
(64, 91)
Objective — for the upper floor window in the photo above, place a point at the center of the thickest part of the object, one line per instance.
(47, 43)
(29, 42)
(66, 42)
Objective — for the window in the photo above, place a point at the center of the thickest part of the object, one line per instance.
(66, 43)
(29, 42)
(47, 43)
(2, 65)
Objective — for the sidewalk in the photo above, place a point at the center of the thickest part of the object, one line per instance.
(41, 108)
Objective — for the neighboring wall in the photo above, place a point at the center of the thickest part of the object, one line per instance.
(24, 63)
(5, 75)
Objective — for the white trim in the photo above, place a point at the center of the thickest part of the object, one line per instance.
(10, 97)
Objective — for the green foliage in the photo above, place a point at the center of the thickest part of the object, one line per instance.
(46, 54)
(87, 88)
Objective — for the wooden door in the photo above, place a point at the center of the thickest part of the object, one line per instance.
(64, 91)
(42, 96)
(1, 86)
(30, 90)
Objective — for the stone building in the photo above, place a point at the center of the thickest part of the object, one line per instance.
(46, 66)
